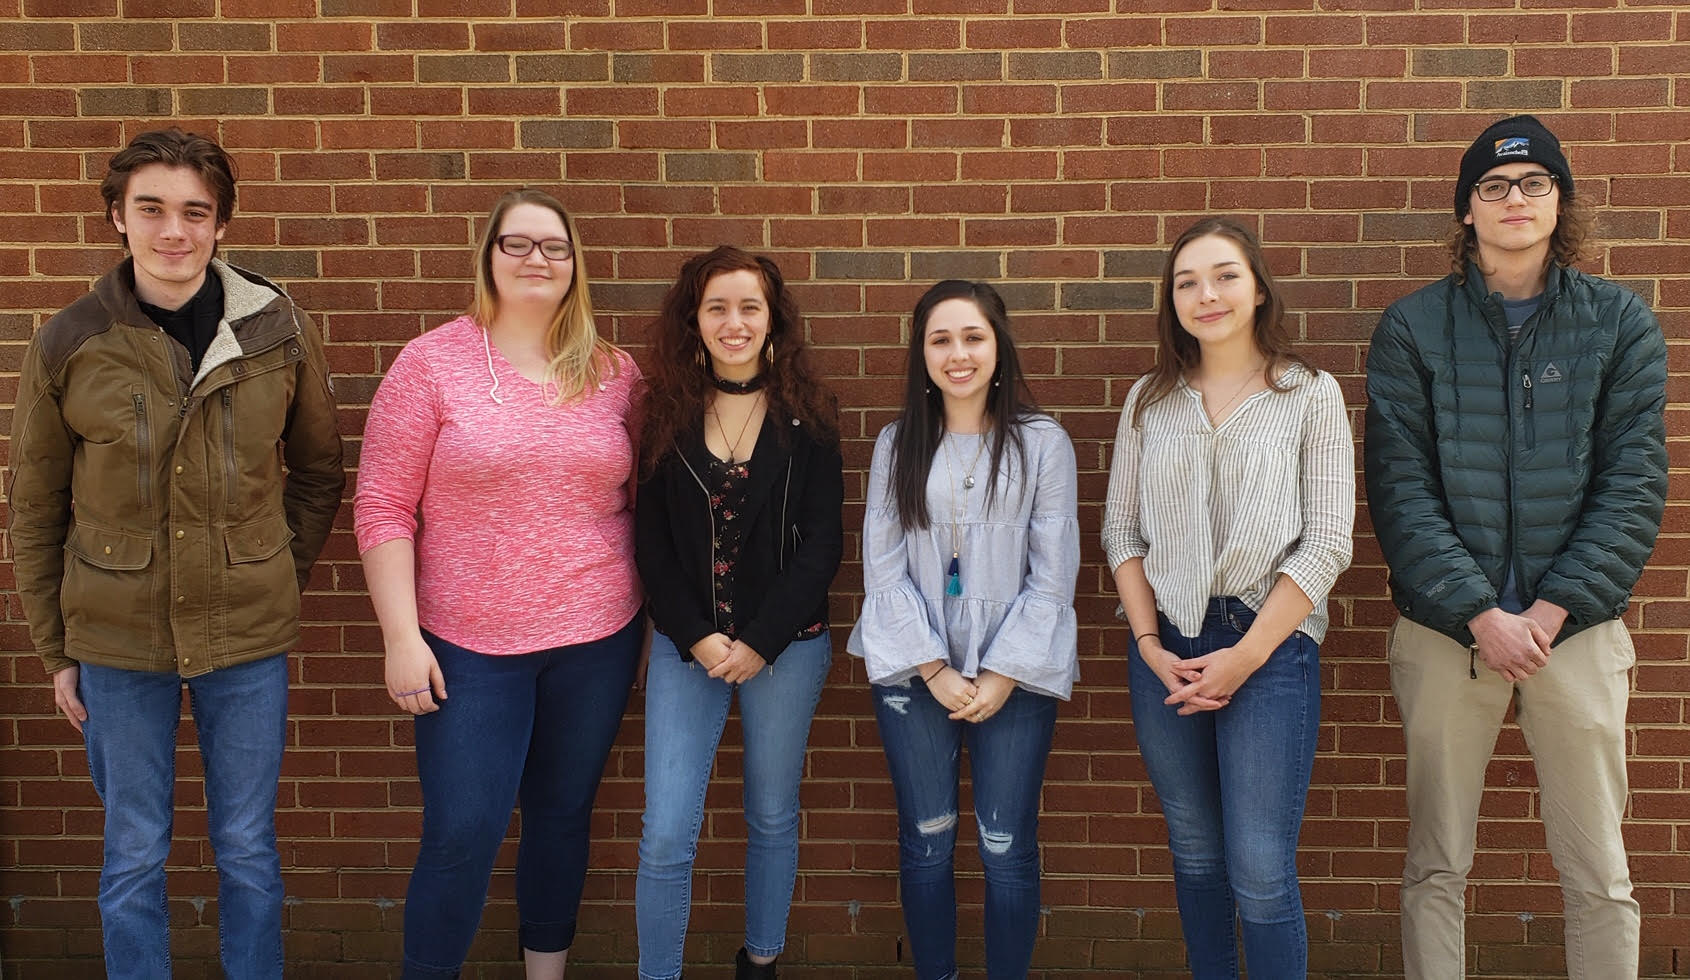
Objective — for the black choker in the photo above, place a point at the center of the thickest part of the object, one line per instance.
(739, 387)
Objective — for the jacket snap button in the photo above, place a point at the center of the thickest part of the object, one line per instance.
(178, 469)
(108, 549)
(181, 534)
(181, 598)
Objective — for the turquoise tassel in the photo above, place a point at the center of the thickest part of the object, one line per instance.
(953, 577)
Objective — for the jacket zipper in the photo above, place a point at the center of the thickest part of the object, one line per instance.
(143, 451)
(229, 445)
(785, 494)
(710, 565)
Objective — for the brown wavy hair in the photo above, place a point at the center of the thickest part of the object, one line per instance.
(173, 148)
(678, 382)
(1567, 243)
(1178, 352)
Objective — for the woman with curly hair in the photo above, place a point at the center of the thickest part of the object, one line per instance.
(738, 537)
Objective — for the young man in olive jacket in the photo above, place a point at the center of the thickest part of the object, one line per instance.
(158, 541)
(1516, 474)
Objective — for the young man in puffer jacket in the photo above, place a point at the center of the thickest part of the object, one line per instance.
(158, 541)
(1516, 474)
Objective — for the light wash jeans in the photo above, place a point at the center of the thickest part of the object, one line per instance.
(241, 715)
(685, 712)
(1233, 784)
(1006, 759)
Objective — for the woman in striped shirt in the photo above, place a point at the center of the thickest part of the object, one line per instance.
(1231, 500)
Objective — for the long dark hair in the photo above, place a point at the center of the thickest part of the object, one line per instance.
(921, 426)
(679, 379)
(1178, 352)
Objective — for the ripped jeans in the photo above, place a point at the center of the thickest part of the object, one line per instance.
(1006, 757)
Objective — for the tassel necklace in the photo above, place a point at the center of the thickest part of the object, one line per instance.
(953, 574)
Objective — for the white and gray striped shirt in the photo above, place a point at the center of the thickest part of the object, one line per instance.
(1223, 511)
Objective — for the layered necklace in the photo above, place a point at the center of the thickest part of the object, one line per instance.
(733, 444)
(959, 501)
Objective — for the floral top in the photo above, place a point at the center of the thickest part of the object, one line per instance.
(727, 502)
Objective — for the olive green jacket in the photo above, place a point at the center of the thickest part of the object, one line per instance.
(153, 525)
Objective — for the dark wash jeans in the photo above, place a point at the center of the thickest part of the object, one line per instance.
(1233, 784)
(1006, 758)
(534, 728)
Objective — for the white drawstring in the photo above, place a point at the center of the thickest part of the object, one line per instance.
(487, 345)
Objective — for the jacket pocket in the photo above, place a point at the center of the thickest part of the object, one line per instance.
(143, 448)
(117, 551)
(258, 540)
(260, 602)
(229, 468)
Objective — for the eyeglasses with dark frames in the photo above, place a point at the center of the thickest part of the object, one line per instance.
(1531, 185)
(518, 246)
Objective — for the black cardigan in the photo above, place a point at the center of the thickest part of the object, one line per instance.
(793, 541)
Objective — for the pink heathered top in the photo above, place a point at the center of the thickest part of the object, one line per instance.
(526, 539)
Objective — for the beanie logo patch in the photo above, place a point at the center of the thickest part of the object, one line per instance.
(1513, 146)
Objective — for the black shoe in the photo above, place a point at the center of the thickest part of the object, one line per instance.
(744, 969)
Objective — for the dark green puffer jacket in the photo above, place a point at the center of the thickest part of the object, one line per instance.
(1549, 453)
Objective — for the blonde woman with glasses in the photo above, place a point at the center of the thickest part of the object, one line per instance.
(511, 612)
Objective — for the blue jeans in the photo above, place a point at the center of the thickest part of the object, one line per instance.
(1006, 757)
(686, 710)
(241, 715)
(1233, 784)
(534, 727)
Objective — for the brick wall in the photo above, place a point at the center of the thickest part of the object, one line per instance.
(872, 146)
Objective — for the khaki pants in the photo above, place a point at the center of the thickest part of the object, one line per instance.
(1572, 714)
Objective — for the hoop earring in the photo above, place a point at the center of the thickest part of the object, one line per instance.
(769, 351)
(702, 358)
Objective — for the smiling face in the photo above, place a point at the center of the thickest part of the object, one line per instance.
(961, 351)
(733, 322)
(1215, 295)
(169, 217)
(1516, 223)
(532, 278)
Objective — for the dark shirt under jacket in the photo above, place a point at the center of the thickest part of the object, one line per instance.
(194, 323)
(792, 540)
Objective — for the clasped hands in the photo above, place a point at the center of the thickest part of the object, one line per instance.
(971, 701)
(1205, 683)
(729, 660)
(1517, 645)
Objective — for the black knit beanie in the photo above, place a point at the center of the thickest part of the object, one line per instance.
(1517, 139)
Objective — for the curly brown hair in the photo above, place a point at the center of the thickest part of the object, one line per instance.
(1567, 243)
(678, 382)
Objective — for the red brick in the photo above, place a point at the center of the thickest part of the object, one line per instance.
(816, 35)
(910, 34)
(714, 35)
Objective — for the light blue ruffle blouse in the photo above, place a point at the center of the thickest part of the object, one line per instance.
(1019, 560)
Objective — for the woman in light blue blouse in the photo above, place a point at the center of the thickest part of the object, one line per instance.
(1231, 499)
(970, 551)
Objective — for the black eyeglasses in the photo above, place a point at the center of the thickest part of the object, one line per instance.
(1531, 185)
(517, 246)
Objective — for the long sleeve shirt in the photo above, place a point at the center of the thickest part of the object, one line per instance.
(1223, 511)
(526, 538)
(1018, 562)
